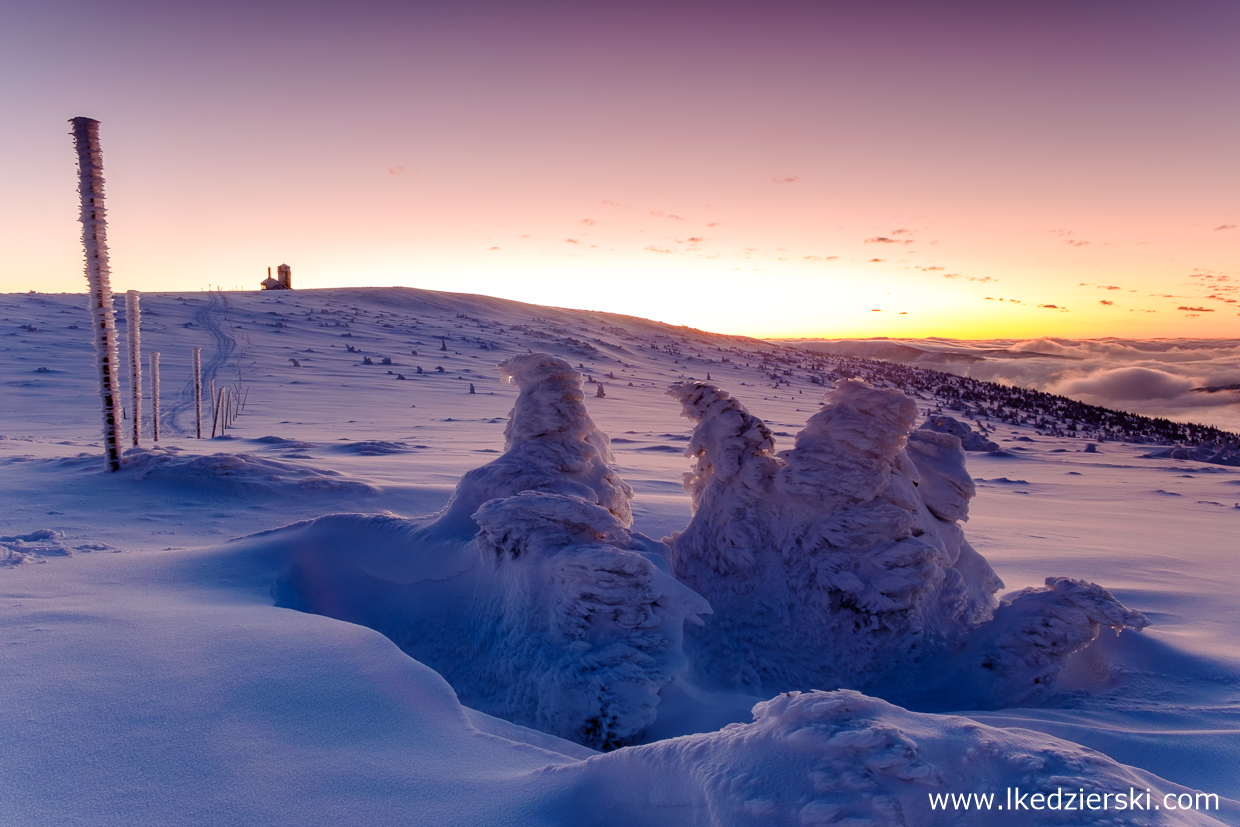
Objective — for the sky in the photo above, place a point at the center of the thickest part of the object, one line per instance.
(963, 169)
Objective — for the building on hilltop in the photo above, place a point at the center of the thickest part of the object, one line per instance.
(283, 280)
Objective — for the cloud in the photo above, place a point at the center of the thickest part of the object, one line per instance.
(876, 260)
(882, 239)
(1053, 307)
(659, 250)
(1225, 227)
(661, 214)
(589, 222)
(1155, 377)
(492, 248)
(714, 224)
(1129, 384)
(1075, 243)
(571, 241)
(787, 179)
(1196, 309)
(1107, 303)
(901, 231)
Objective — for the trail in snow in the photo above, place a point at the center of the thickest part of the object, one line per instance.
(225, 345)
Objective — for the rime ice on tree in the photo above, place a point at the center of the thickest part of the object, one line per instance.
(544, 608)
(98, 276)
(842, 562)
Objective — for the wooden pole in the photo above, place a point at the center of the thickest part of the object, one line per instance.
(215, 410)
(155, 395)
(133, 324)
(197, 360)
(98, 277)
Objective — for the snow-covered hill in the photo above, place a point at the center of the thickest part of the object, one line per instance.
(161, 669)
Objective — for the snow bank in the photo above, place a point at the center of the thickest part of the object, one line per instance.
(237, 470)
(847, 759)
(970, 440)
(1014, 659)
(38, 545)
(1215, 453)
(842, 562)
(528, 592)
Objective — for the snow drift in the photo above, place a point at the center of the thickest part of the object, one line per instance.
(528, 592)
(843, 758)
(842, 562)
(246, 472)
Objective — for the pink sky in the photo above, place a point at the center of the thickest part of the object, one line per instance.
(807, 169)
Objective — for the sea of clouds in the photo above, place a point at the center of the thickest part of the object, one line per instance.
(1154, 377)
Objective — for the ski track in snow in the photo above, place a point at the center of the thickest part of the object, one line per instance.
(208, 318)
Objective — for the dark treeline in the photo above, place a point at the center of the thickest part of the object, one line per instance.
(1050, 414)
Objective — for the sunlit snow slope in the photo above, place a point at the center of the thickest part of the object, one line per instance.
(151, 677)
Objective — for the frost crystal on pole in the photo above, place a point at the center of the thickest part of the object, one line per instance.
(155, 396)
(133, 321)
(98, 276)
(198, 391)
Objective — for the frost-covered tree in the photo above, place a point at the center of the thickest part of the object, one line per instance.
(133, 321)
(546, 607)
(98, 276)
(842, 562)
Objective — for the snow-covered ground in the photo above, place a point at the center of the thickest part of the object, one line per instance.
(159, 672)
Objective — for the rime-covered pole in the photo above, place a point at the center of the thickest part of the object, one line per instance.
(133, 321)
(98, 277)
(155, 396)
(198, 391)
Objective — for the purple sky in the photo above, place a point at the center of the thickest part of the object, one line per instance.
(963, 169)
